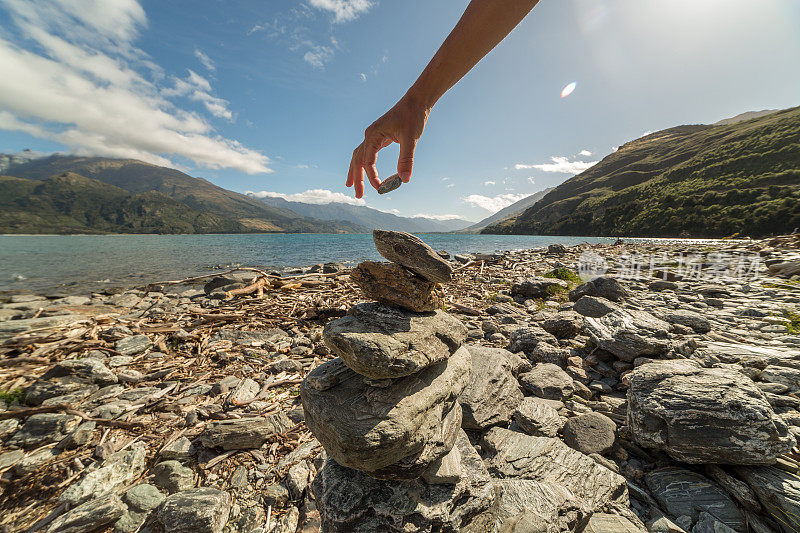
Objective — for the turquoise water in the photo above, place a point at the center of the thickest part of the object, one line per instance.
(80, 263)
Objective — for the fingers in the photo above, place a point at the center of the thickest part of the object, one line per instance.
(369, 157)
(355, 176)
(405, 163)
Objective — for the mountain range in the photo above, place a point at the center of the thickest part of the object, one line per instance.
(739, 176)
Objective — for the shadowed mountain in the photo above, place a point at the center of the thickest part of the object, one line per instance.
(700, 181)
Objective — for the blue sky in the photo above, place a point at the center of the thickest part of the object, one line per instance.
(273, 96)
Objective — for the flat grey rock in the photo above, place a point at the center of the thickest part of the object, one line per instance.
(778, 491)
(548, 460)
(94, 515)
(594, 306)
(397, 286)
(539, 506)
(704, 415)
(243, 433)
(118, 470)
(629, 334)
(172, 476)
(379, 341)
(708, 524)
(89, 369)
(350, 501)
(611, 523)
(682, 492)
(535, 417)
(201, 510)
(9, 328)
(407, 420)
(43, 429)
(411, 252)
(548, 381)
(493, 393)
(690, 319)
(563, 325)
(527, 338)
(133, 345)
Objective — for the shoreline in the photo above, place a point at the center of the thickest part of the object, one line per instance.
(167, 366)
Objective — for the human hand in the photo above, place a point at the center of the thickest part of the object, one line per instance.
(402, 124)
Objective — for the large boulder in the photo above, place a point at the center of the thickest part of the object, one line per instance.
(538, 287)
(392, 429)
(397, 286)
(493, 393)
(409, 251)
(350, 501)
(515, 455)
(380, 342)
(704, 415)
(603, 287)
(681, 492)
(629, 334)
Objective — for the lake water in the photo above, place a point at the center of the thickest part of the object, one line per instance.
(81, 263)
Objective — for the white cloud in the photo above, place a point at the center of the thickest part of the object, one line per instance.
(343, 10)
(490, 182)
(451, 185)
(445, 179)
(302, 166)
(363, 76)
(493, 203)
(311, 196)
(204, 59)
(560, 165)
(585, 153)
(437, 217)
(80, 81)
(394, 211)
(318, 55)
(531, 180)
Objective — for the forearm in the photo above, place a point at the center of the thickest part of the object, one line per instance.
(482, 26)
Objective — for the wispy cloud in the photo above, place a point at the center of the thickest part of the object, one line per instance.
(437, 217)
(559, 165)
(445, 179)
(77, 78)
(343, 10)
(489, 182)
(493, 203)
(363, 76)
(311, 196)
(531, 180)
(204, 60)
(585, 153)
(318, 55)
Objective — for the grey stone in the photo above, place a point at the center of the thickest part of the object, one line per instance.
(778, 491)
(493, 393)
(445, 470)
(275, 494)
(603, 287)
(547, 353)
(306, 451)
(682, 492)
(563, 325)
(389, 184)
(44, 428)
(245, 391)
(351, 501)
(119, 469)
(201, 510)
(537, 418)
(611, 523)
(94, 515)
(392, 431)
(119, 360)
(590, 433)
(594, 306)
(662, 524)
(541, 506)
(79, 436)
(691, 319)
(133, 345)
(91, 370)
(144, 497)
(662, 285)
(298, 478)
(8, 426)
(10, 458)
(35, 460)
(9, 328)
(180, 449)
(409, 251)
(243, 433)
(130, 522)
(45, 389)
(525, 339)
(784, 375)
(736, 488)
(549, 381)
(285, 365)
(708, 524)
(381, 342)
(539, 287)
(629, 334)
(703, 415)
(548, 460)
(397, 286)
(172, 476)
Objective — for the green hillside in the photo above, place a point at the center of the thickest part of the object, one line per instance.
(220, 208)
(699, 181)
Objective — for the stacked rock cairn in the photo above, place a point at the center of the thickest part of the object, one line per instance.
(387, 406)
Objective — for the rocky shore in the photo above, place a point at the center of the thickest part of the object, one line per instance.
(597, 388)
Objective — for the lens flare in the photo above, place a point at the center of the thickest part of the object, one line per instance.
(566, 91)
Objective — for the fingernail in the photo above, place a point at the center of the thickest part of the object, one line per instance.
(405, 176)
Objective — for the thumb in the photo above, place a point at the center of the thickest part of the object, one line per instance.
(405, 163)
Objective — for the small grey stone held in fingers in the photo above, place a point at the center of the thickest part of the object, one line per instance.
(389, 184)
(409, 251)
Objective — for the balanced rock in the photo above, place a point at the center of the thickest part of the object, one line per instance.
(409, 251)
(395, 285)
(349, 500)
(493, 393)
(704, 415)
(381, 342)
(392, 429)
(629, 334)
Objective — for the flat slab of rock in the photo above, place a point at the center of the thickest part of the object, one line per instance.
(704, 415)
(94, 515)
(43, 429)
(92, 370)
(527, 338)
(350, 501)
(243, 433)
(611, 523)
(389, 184)
(535, 417)
(629, 334)
(381, 342)
(411, 252)
(548, 460)
(201, 510)
(682, 492)
(690, 319)
(394, 430)
(539, 506)
(119, 469)
(778, 491)
(135, 344)
(539, 287)
(594, 306)
(397, 286)
(493, 393)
